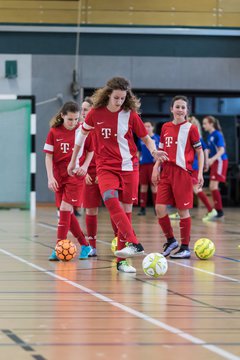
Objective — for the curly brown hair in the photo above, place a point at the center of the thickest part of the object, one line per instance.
(101, 96)
(69, 106)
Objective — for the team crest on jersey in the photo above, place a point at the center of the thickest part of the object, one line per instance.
(106, 133)
(168, 141)
(64, 147)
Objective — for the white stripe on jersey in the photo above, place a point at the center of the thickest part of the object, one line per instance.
(181, 144)
(122, 129)
(49, 147)
(81, 148)
(87, 127)
(220, 166)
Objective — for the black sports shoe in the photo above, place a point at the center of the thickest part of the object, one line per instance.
(130, 251)
(169, 246)
(220, 214)
(76, 213)
(142, 211)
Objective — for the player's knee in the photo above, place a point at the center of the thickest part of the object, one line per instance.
(66, 206)
(92, 211)
(161, 210)
(110, 194)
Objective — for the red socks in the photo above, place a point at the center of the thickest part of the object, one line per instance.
(203, 197)
(91, 225)
(121, 220)
(143, 199)
(121, 244)
(185, 229)
(63, 225)
(217, 199)
(76, 230)
(115, 229)
(166, 226)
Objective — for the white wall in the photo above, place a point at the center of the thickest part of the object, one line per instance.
(22, 85)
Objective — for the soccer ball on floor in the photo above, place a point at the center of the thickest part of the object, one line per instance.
(114, 245)
(155, 265)
(65, 250)
(204, 248)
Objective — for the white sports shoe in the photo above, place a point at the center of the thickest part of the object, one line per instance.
(123, 266)
(130, 251)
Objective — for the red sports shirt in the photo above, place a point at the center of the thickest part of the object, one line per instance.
(179, 142)
(114, 144)
(60, 142)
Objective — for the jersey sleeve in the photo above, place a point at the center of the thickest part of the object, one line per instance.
(138, 126)
(161, 144)
(219, 140)
(88, 124)
(195, 137)
(49, 143)
(88, 145)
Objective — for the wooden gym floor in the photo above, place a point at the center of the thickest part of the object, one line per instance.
(87, 310)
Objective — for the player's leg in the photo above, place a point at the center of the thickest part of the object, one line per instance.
(217, 198)
(185, 231)
(110, 184)
(183, 195)
(122, 264)
(165, 197)
(91, 225)
(73, 191)
(143, 189)
(211, 212)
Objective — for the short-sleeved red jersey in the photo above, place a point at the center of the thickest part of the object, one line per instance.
(179, 142)
(114, 144)
(60, 142)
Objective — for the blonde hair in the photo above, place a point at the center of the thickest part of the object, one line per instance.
(193, 120)
(100, 97)
(69, 106)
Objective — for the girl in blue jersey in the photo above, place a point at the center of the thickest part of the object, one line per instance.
(217, 162)
(147, 162)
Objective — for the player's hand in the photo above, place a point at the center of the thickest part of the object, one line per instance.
(88, 179)
(200, 181)
(96, 180)
(155, 176)
(160, 155)
(70, 168)
(53, 184)
(82, 171)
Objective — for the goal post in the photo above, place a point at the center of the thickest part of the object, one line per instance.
(18, 152)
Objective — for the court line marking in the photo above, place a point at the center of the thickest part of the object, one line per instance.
(52, 227)
(197, 341)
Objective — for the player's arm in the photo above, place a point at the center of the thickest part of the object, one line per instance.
(80, 139)
(219, 153)
(156, 173)
(82, 171)
(157, 154)
(200, 156)
(52, 182)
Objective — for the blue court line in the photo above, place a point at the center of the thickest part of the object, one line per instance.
(227, 258)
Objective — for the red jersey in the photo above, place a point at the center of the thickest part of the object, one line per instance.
(60, 142)
(114, 144)
(179, 142)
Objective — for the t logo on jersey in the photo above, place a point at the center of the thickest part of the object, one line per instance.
(64, 147)
(169, 141)
(106, 133)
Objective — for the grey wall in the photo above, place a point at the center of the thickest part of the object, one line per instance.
(52, 74)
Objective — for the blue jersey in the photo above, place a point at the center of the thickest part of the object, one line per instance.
(214, 141)
(195, 161)
(145, 155)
